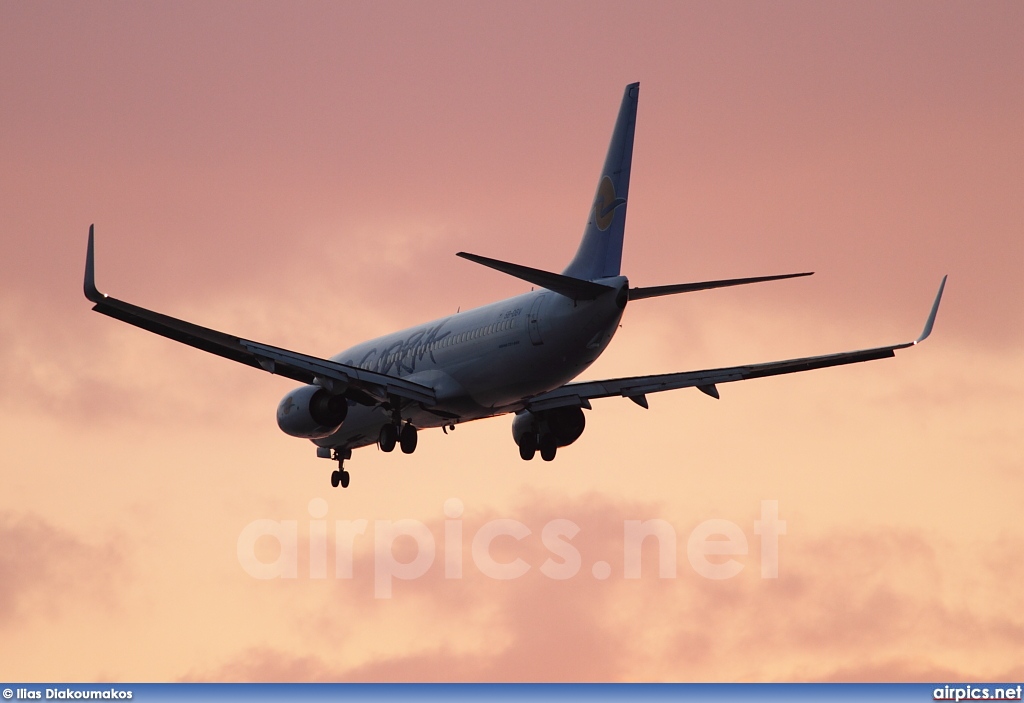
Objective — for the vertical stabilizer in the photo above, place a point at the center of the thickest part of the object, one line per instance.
(600, 252)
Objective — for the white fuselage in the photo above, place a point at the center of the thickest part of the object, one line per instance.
(485, 361)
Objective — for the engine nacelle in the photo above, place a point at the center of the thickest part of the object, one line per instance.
(564, 424)
(311, 412)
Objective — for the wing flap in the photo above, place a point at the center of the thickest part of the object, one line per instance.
(283, 362)
(631, 387)
(377, 384)
(573, 393)
(208, 340)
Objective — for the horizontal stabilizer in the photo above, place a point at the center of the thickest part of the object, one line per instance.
(574, 288)
(656, 291)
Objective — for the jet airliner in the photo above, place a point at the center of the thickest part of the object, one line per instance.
(517, 356)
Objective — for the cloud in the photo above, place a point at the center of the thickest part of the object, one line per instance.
(865, 604)
(267, 665)
(906, 670)
(47, 569)
(73, 366)
(767, 142)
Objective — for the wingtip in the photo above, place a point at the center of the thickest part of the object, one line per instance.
(91, 292)
(931, 316)
(475, 258)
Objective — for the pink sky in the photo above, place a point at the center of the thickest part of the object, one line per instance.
(302, 174)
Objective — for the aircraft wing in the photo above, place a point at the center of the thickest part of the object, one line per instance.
(366, 386)
(636, 387)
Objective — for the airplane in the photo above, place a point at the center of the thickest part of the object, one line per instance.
(518, 355)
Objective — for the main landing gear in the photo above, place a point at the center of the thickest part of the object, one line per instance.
(391, 434)
(341, 476)
(530, 443)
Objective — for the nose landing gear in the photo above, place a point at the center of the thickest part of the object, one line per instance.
(341, 476)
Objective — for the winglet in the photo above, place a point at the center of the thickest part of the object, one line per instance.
(931, 316)
(90, 272)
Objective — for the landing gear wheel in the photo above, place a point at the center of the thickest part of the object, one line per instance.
(548, 448)
(408, 439)
(527, 446)
(388, 438)
(340, 454)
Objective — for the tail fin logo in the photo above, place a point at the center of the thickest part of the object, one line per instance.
(605, 204)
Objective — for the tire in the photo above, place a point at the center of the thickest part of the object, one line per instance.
(409, 438)
(527, 446)
(345, 478)
(388, 437)
(335, 479)
(548, 448)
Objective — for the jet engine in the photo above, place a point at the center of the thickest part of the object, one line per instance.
(562, 425)
(311, 412)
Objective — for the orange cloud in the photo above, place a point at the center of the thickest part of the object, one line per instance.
(851, 605)
(48, 570)
(302, 176)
